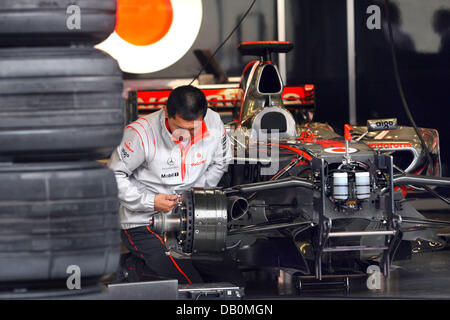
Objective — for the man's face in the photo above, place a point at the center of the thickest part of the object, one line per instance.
(183, 129)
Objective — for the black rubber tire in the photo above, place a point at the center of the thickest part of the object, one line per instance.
(60, 101)
(53, 215)
(43, 22)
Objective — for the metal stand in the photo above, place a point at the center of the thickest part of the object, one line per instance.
(171, 290)
(337, 282)
(210, 291)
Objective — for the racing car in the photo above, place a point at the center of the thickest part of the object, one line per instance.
(298, 195)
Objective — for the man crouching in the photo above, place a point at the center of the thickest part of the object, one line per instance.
(182, 146)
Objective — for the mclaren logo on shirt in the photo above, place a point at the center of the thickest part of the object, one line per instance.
(170, 175)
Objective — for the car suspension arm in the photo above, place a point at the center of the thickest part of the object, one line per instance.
(290, 182)
(267, 227)
(404, 179)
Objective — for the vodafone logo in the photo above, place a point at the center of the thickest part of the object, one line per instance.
(340, 150)
(152, 35)
(198, 163)
(391, 145)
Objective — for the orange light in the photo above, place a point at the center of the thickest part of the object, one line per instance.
(143, 22)
(151, 35)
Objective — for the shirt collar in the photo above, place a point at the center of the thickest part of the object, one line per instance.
(200, 134)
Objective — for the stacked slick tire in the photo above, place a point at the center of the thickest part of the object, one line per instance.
(56, 215)
(55, 22)
(61, 108)
(59, 101)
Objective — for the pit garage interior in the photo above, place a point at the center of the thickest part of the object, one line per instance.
(356, 92)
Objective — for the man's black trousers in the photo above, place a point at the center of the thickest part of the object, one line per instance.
(148, 260)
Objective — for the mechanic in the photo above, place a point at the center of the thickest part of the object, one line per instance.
(181, 146)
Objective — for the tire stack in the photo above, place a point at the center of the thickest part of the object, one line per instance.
(61, 109)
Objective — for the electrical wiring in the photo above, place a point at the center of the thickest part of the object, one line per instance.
(400, 88)
(437, 195)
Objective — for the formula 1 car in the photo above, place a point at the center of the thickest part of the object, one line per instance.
(297, 194)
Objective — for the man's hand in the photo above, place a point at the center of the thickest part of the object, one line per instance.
(165, 202)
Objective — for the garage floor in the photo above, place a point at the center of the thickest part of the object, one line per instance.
(425, 276)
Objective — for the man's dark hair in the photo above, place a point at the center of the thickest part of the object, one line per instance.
(441, 20)
(188, 102)
(394, 14)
